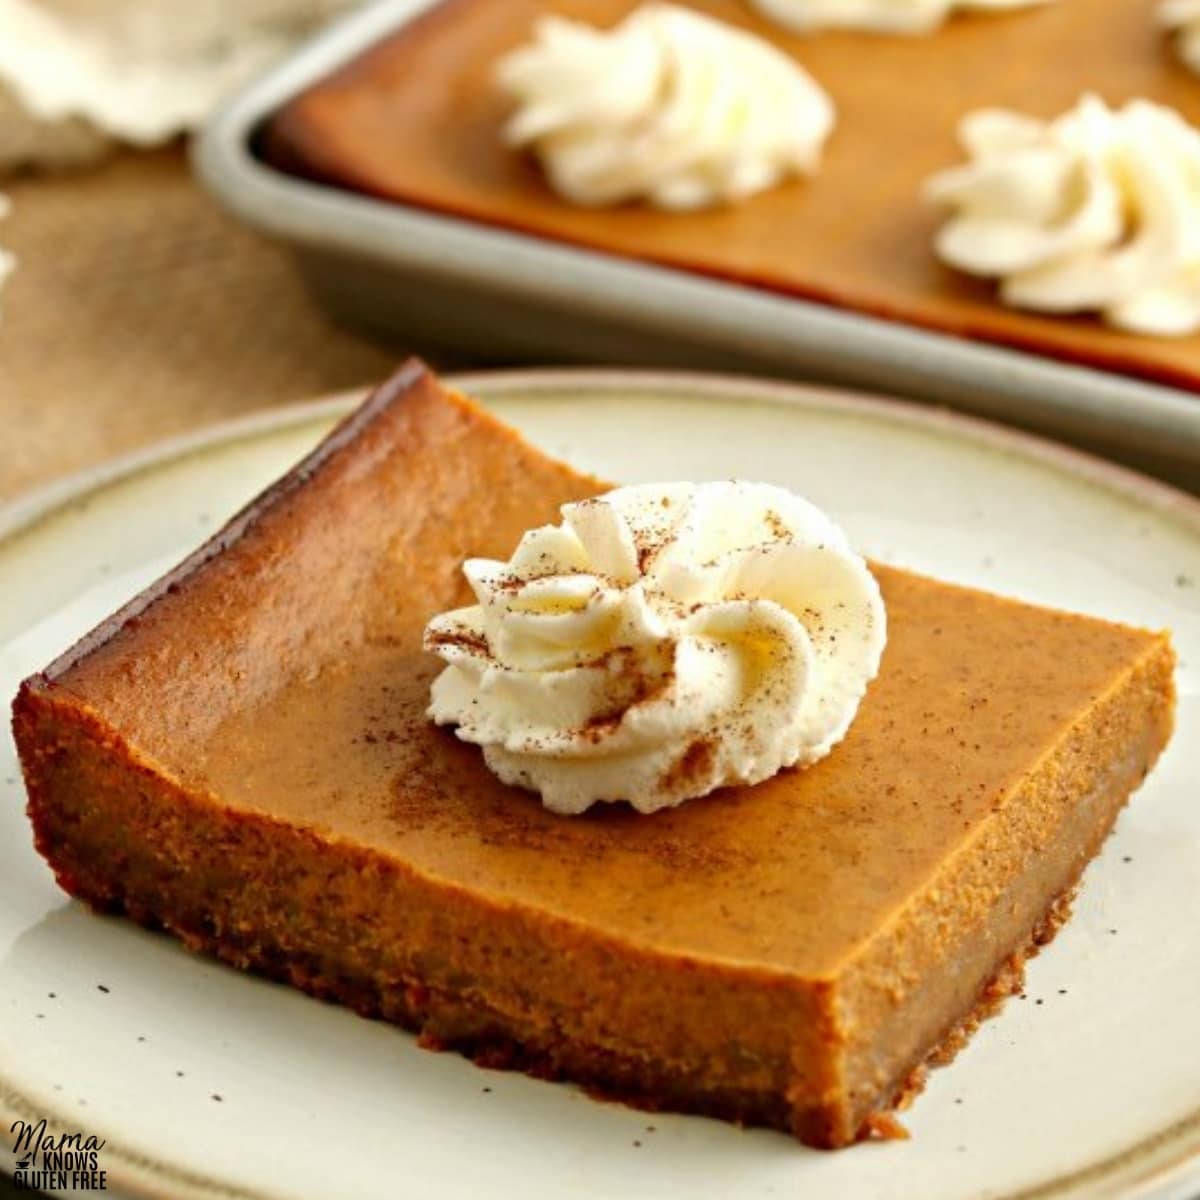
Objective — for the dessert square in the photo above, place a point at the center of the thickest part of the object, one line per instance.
(419, 120)
(241, 756)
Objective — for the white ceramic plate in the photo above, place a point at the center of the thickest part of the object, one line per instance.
(1088, 1087)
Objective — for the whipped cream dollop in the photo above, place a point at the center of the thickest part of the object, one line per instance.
(662, 641)
(671, 106)
(1098, 210)
(1182, 18)
(881, 16)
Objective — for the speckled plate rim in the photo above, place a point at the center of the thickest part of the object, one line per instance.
(1163, 1166)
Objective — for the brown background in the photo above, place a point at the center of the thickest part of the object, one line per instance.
(139, 310)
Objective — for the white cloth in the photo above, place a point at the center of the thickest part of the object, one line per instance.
(77, 75)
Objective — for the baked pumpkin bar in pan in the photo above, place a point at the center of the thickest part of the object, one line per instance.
(242, 756)
(419, 119)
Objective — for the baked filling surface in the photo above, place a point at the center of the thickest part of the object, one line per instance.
(418, 119)
(241, 756)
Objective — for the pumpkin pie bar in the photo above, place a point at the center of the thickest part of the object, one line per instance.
(241, 757)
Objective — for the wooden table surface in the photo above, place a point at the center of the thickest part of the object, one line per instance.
(139, 310)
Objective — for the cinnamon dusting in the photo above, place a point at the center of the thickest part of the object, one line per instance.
(694, 764)
(464, 639)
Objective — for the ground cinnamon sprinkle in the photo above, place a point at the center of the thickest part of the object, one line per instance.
(777, 525)
(695, 762)
(464, 640)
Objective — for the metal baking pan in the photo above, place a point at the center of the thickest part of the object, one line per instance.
(430, 281)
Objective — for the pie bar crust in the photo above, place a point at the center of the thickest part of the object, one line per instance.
(418, 119)
(241, 756)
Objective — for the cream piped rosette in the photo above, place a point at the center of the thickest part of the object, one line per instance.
(662, 641)
(1095, 211)
(671, 106)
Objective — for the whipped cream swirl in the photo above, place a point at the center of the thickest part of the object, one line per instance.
(1182, 18)
(1098, 210)
(671, 106)
(664, 640)
(880, 16)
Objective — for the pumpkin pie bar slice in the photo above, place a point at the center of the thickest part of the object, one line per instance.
(241, 756)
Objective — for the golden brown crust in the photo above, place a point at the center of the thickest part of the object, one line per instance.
(1008, 981)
